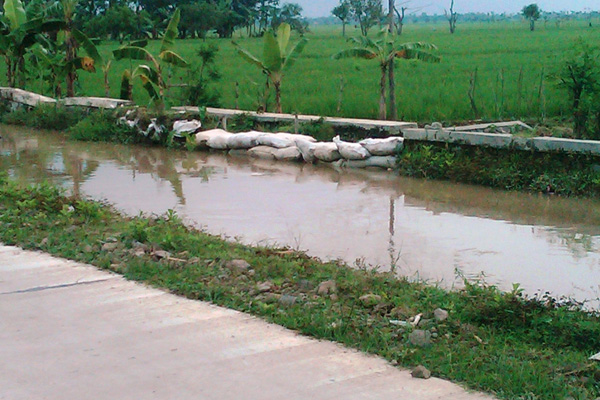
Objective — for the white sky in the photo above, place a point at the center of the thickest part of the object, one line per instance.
(321, 8)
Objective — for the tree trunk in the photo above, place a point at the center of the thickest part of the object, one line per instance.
(21, 72)
(106, 84)
(9, 73)
(343, 28)
(391, 6)
(277, 85)
(382, 102)
(392, 95)
(532, 25)
(70, 56)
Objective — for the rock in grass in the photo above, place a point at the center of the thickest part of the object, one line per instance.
(160, 254)
(595, 357)
(440, 315)
(327, 287)
(287, 300)
(264, 287)
(305, 284)
(370, 299)
(420, 338)
(109, 246)
(421, 373)
(238, 265)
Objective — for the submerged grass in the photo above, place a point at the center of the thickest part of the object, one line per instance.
(498, 342)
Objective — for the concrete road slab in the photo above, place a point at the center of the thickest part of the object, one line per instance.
(71, 331)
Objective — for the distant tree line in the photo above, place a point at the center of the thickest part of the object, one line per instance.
(123, 19)
(367, 13)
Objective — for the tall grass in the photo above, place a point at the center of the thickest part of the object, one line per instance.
(426, 92)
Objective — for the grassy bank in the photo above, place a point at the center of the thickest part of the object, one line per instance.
(553, 173)
(491, 341)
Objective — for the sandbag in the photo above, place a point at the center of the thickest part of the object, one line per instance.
(327, 152)
(244, 140)
(375, 161)
(265, 152)
(277, 140)
(351, 151)
(214, 139)
(296, 137)
(288, 154)
(383, 147)
(185, 127)
(307, 150)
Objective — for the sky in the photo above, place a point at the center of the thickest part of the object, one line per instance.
(322, 8)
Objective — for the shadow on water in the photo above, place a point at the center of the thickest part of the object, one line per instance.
(419, 228)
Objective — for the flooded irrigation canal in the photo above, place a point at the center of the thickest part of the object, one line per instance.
(435, 231)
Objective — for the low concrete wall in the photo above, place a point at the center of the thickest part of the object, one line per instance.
(407, 129)
(24, 97)
(504, 141)
(393, 127)
(94, 102)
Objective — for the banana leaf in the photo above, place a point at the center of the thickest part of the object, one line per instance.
(89, 47)
(171, 33)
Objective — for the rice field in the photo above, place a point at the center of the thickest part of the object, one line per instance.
(515, 69)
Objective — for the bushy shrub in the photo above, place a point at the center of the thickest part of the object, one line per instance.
(103, 126)
(46, 116)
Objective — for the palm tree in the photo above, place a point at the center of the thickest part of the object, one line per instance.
(278, 55)
(385, 50)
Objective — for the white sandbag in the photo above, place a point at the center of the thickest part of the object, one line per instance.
(265, 152)
(375, 161)
(214, 139)
(277, 140)
(185, 127)
(351, 151)
(383, 147)
(327, 152)
(307, 150)
(202, 137)
(244, 140)
(296, 137)
(288, 154)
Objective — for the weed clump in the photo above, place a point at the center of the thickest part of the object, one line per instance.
(104, 127)
(44, 116)
(552, 173)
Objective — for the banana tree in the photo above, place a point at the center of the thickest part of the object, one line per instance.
(385, 50)
(50, 58)
(18, 34)
(278, 56)
(151, 74)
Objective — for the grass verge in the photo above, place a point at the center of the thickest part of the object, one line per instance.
(503, 343)
(554, 173)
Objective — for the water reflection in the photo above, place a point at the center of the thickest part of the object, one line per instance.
(417, 228)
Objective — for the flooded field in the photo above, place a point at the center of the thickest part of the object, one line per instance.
(437, 231)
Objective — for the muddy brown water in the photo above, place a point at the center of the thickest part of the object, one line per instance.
(437, 231)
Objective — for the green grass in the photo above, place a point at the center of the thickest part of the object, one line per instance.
(426, 92)
(503, 343)
(557, 173)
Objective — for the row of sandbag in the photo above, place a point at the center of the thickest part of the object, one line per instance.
(295, 147)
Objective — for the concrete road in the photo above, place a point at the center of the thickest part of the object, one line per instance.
(70, 331)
